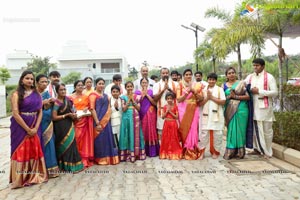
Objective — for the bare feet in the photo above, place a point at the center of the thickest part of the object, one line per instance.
(254, 152)
(202, 156)
(215, 156)
(267, 157)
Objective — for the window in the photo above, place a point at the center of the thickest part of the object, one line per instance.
(110, 67)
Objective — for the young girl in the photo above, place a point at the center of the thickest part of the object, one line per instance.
(132, 145)
(116, 112)
(170, 147)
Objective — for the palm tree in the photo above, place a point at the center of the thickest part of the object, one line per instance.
(275, 18)
(206, 52)
(225, 40)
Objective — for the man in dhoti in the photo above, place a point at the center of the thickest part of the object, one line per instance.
(212, 119)
(263, 87)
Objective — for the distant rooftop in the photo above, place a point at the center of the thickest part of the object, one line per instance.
(19, 54)
(78, 50)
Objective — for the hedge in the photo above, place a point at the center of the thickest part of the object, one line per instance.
(287, 129)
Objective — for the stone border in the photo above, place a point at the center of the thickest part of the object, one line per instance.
(287, 154)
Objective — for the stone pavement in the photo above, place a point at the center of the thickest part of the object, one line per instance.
(250, 178)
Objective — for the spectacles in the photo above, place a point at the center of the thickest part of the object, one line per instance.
(79, 85)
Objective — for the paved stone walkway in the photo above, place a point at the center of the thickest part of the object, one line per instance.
(250, 178)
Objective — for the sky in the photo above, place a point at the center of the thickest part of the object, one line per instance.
(140, 30)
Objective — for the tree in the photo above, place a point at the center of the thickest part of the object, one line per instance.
(71, 77)
(221, 39)
(275, 18)
(206, 51)
(4, 74)
(40, 65)
(133, 73)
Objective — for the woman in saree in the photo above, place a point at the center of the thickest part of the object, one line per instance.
(236, 115)
(27, 164)
(147, 117)
(132, 146)
(188, 96)
(84, 133)
(105, 150)
(88, 84)
(47, 127)
(63, 115)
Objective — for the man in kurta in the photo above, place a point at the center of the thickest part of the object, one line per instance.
(159, 90)
(54, 77)
(263, 88)
(144, 74)
(212, 119)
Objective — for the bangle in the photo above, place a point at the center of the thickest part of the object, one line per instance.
(63, 116)
(236, 97)
(134, 104)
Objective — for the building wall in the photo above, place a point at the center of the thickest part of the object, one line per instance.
(16, 63)
(85, 67)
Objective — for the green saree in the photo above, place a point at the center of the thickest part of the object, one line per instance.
(236, 118)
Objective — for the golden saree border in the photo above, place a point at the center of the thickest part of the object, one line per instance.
(126, 155)
(107, 160)
(191, 154)
(27, 173)
(48, 133)
(238, 153)
(53, 172)
(62, 149)
(103, 122)
(170, 156)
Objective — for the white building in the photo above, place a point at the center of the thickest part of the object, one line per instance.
(16, 62)
(77, 57)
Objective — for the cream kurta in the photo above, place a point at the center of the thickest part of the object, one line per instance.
(212, 117)
(115, 117)
(159, 86)
(262, 113)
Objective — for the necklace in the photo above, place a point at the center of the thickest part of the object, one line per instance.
(79, 96)
(27, 92)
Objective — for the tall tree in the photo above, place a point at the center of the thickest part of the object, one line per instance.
(41, 65)
(222, 38)
(71, 77)
(205, 52)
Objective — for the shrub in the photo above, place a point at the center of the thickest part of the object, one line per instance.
(291, 95)
(286, 129)
(9, 89)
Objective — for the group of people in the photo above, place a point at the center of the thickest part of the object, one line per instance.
(53, 133)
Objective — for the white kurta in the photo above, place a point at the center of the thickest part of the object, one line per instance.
(212, 117)
(137, 84)
(160, 104)
(115, 118)
(262, 113)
